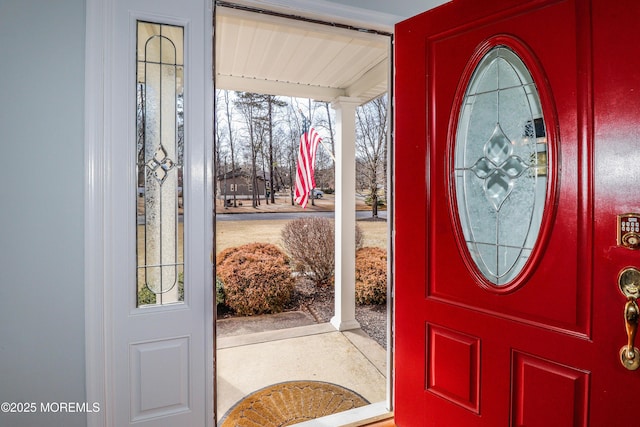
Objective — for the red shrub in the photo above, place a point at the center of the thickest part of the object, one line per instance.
(371, 276)
(256, 277)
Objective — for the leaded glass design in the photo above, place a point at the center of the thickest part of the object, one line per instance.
(500, 169)
(160, 137)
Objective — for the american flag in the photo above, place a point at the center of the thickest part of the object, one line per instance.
(305, 181)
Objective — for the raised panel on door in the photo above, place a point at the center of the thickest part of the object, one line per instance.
(546, 393)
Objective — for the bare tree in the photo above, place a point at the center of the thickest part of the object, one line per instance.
(272, 102)
(249, 105)
(231, 138)
(257, 111)
(325, 168)
(219, 150)
(269, 135)
(371, 150)
(140, 131)
(293, 131)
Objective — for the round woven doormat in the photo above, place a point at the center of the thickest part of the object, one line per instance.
(290, 403)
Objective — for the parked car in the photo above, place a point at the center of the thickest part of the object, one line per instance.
(317, 194)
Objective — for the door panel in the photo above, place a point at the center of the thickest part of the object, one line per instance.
(159, 377)
(159, 356)
(546, 393)
(530, 302)
(542, 350)
(453, 366)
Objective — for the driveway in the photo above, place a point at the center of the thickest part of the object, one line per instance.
(288, 215)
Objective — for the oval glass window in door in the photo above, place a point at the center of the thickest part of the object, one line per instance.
(500, 165)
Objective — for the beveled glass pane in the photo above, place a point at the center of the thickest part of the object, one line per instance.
(497, 187)
(508, 75)
(487, 78)
(160, 119)
(498, 148)
(500, 165)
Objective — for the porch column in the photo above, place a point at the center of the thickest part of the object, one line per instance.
(345, 217)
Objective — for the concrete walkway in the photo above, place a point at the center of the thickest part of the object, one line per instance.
(248, 361)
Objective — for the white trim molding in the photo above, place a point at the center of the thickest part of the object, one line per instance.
(328, 11)
(99, 216)
(97, 14)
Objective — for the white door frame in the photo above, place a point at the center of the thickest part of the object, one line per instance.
(101, 223)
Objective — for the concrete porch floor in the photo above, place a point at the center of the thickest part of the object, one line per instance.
(250, 358)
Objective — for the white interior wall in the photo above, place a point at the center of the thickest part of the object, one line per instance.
(41, 208)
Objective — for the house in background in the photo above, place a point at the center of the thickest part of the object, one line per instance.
(557, 336)
(237, 183)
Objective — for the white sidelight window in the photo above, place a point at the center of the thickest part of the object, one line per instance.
(160, 148)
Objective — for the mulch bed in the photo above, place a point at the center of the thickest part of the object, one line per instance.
(319, 302)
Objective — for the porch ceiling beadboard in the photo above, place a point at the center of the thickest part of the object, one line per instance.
(282, 56)
(273, 54)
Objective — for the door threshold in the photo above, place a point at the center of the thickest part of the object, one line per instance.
(362, 416)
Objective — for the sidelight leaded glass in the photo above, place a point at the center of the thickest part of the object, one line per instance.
(159, 145)
(500, 165)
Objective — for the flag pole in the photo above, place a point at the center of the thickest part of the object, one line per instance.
(328, 151)
(305, 181)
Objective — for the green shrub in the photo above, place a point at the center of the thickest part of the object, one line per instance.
(147, 297)
(311, 245)
(257, 278)
(220, 300)
(371, 276)
(369, 201)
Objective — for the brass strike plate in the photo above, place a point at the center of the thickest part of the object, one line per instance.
(629, 230)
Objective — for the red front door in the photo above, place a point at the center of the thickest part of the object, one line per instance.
(499, 324)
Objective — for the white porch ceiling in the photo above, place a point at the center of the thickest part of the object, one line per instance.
(262, 53)
(272, 54)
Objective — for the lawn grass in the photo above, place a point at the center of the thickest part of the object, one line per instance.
(236, 233)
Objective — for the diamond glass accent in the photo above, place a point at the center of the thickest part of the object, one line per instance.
(500, 169)
(160, 164)
(498, 147)
(497, 188)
